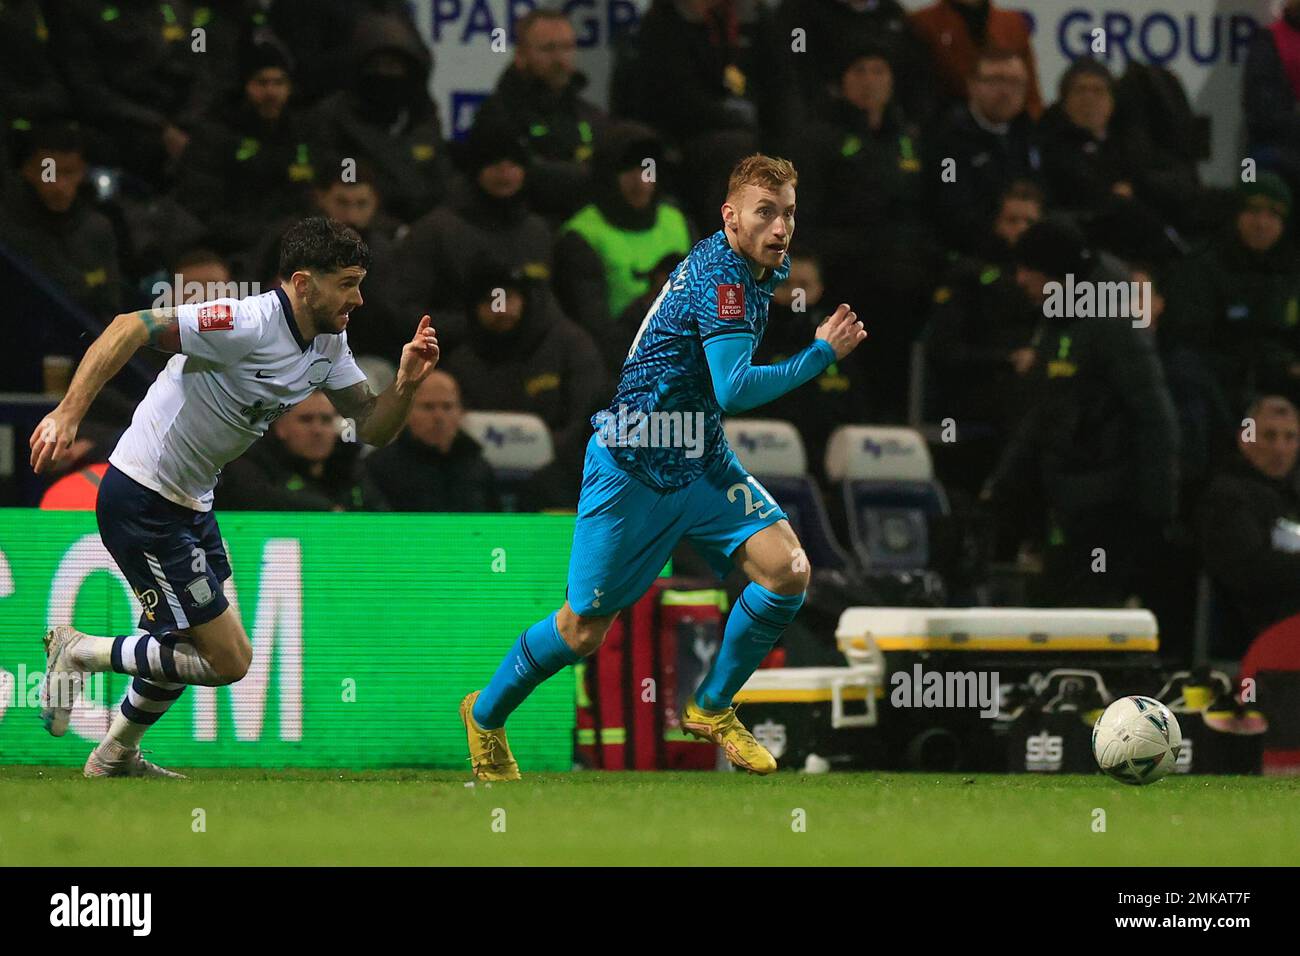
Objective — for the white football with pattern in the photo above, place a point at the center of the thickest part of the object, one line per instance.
(1136, 740)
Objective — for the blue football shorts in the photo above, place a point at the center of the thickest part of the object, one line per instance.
(626, 531)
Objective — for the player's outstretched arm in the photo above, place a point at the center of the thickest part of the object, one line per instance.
(104, 359)
(379, 418)
(740, 385)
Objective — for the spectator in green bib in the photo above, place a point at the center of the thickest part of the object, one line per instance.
(608, 249)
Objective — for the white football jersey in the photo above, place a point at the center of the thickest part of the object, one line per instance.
(242, 365)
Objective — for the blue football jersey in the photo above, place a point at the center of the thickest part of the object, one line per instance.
(711, 293)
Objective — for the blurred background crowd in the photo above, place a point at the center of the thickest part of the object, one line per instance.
(943, 184)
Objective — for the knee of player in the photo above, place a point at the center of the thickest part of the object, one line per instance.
(234, 665)
(232, 671)
(586, 634)
(590, 637)
(790, 580)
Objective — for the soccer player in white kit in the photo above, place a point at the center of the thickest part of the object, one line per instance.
(241, 364)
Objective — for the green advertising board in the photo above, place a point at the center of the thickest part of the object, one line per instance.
(367, 631)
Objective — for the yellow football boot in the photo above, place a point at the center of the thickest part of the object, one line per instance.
(489, 753)
(729, 733)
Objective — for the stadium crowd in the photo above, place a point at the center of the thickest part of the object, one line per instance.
(943, 184)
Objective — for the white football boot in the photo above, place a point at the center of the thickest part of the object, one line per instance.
(111, 759)
(61, 685)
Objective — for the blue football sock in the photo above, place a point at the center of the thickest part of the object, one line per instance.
(753, 627)
(539, 653)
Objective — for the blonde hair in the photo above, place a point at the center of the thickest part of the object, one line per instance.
(759, 170)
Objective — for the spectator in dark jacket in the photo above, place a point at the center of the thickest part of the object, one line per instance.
(137, 77)
(1238, 302)
(249, 162)
(349, 192)
(834, 27)
(714, 80)
(980, 344)
(489, 217)
(48, 218)
(980, 148)
(538, 100)
(523, 355)
(1249, 521)
(357, 201)
(1100, 171)
(606, 250)
(713, 64)
(385, 115)
(1100, 433)
(301, 465)
(1153, 106)
(382, 328)
(1270, 90)
(433, 465)
(319, 34)
(1204, 441)
(862, 208)
(861, 192)
(1204, 416)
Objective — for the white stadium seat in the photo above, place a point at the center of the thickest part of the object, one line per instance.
(877, 453)
(772, 451)
(889, 493)
(767, 447)
(513, 442)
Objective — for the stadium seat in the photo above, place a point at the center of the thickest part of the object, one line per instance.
(889, 494)
(380, 372)
(515, 444)
(773, 452)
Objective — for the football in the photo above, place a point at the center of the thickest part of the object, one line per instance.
(1136, 740)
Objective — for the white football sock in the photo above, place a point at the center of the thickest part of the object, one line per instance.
(169, 659)
(145, 702)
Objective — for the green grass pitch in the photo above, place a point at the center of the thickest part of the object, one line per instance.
(51, 816)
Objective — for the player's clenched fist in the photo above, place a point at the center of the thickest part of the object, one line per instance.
(843, 330)
(51, 440)
(419, 355)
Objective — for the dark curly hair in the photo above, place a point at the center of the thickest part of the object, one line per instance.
(326, 245)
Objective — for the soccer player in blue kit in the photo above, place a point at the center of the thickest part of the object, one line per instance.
(691, 359)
